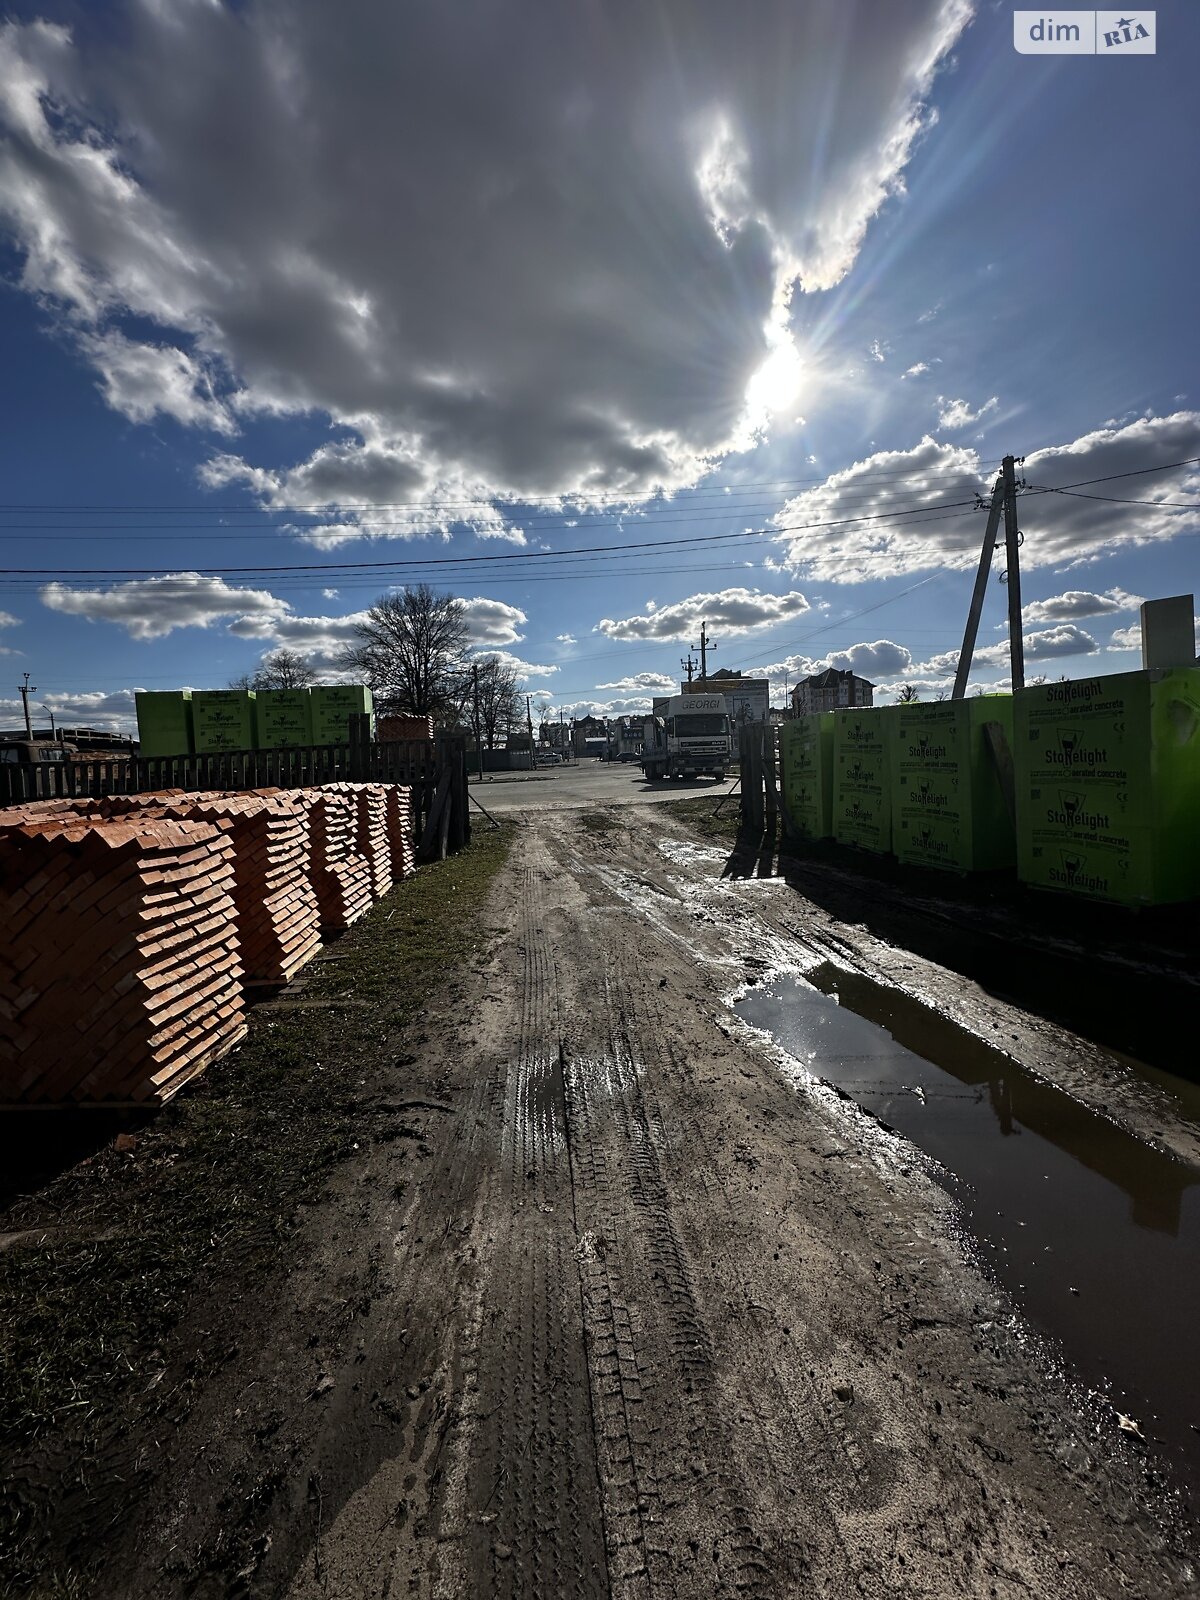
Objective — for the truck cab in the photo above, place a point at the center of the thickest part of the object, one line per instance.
(692, 739)
(28, 752)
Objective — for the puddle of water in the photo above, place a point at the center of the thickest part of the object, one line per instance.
(1095, 1234)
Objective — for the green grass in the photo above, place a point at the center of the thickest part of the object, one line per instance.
(209, 1197)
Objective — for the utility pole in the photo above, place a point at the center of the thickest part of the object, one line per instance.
(49, 710)
(529, 725)
(704, 647)
(688, 665)
(1003, 502)
(25, 690)
(1012, 543)
(478, 732)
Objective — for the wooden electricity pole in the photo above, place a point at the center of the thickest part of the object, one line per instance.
(689, 666)
(1003, 502)
(25, 690)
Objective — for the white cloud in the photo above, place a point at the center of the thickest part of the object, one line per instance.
(882, 659)
(523, 669)
(958, 413)
(143, 381)
(565, 638)
(651, 683)
(643, 218)
(1129, 638)
(1048, 644)
(321, 640)
(928, 316)
(736, 611)
(330, 594)
(879, 351)
(915, 371)
(151, 608)
(1058, 529)
(110, 710)
(1074, 603)
(492, 622)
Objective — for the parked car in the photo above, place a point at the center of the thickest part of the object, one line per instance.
(549, 758)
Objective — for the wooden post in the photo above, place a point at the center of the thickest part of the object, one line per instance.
(768, 742)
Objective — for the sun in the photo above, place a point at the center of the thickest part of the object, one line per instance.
(775, 385)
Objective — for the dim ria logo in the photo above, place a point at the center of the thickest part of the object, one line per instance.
(1084, 33)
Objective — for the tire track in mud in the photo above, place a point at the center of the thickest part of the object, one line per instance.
(685, 1476)
(534, 1500)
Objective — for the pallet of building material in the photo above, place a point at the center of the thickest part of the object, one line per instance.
(120, 977)
(1108, 786)
(862, 791)
(372, 836)
(341, 874)
(276, 906)
(402, 829)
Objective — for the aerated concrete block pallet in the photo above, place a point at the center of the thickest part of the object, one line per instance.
(332, 707)
(862, 790)
(806, 749)
(164, 722)
(284, 718)
(1108, 786)
(223, 719)
(948, 807)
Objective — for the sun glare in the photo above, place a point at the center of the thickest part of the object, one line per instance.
(776, 384)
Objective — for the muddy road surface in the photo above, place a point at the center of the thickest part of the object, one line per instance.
(636, 1305)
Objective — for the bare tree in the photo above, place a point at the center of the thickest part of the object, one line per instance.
(497, 700)
(281, 669)
(412, 652)
(907, 695)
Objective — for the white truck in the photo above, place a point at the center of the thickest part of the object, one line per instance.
(692, 737)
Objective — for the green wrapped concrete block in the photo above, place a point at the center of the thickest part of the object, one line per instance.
(332, 707)
(284, 719)
(948, 807)
(806, 750)
(862, 791)
(223, 719)
(1108, 786)
(164, 719)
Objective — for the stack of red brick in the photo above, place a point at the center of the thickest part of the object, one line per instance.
(371, 835)
(120, 977)
(341, 874)
(273, 895)
(129, 924)
(401, 825)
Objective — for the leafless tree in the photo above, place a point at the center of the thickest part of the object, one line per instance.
(498, 699)
(412, 652)
(281, 669)
(907, 694)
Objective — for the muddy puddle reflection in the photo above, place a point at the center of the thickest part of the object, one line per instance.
(1095, 1234)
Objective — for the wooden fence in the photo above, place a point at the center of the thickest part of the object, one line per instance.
(761, 787)
(436, 770)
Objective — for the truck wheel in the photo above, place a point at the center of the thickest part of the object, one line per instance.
(719, 776)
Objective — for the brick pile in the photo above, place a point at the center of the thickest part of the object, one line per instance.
(341, 874)
(275, 902)
(120, 976)
(401, 823)
(372, 836)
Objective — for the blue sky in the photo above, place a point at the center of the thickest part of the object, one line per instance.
(293, 311)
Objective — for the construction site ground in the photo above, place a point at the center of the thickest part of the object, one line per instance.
(596, 1292)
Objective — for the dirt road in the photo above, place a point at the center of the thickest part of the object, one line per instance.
(624, 1310)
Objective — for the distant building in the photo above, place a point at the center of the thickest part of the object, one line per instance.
(831, 690)
(588, 730)
(748, 699)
